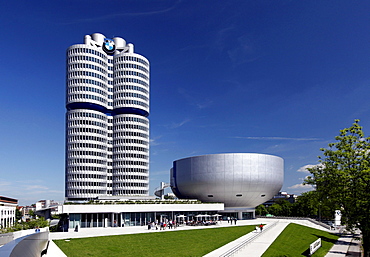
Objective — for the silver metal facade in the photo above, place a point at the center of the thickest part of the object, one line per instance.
(107, 129)
(242, 180)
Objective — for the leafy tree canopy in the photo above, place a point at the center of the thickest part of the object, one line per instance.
(261, 210)
(342, 179)
(18, 214)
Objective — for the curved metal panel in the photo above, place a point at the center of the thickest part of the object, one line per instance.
(236, 179)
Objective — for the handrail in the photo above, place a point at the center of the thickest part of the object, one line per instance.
(27, 246)
(159, 190)
(8, 237)
(298, 218)
(240, 246)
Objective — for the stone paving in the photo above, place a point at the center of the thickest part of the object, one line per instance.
(347, 245)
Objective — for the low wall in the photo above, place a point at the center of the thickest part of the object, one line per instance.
(297, 218)
(8, 237)
(27, 246)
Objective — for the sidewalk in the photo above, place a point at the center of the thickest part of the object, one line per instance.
(346, 245)
(258, 246)
(94, 232)
(54, 250)
(255, 243)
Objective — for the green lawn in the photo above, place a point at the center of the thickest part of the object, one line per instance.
(196, 242)
(295, 241)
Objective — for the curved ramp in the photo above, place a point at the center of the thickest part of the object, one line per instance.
(28, 246)
(159, 191)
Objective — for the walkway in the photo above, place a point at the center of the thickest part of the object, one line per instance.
(94, 232)
(260, 243)
(255, 244)
(347, 245)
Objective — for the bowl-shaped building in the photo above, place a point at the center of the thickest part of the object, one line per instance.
(239, 180)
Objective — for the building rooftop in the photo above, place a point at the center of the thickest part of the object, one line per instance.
(4, 199)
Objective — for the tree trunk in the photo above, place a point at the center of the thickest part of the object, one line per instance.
(366, 243)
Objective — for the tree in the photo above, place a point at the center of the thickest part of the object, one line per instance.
(18, 214)
(275, 209)
(342, 179)
(286, 207)
(306, 205)
(281, 207)
(41, 223)
(309, 204)
(261, 210)
(31, 213)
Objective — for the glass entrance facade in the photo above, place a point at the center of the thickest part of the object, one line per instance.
(101, 220)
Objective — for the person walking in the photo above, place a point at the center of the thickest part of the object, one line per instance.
(170, 224)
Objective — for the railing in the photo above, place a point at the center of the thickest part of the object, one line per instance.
(28, 246)
(8, 237)
(159, 191)
(298, 218)
(242, 244)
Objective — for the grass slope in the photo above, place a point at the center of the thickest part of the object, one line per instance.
(295, 241)
(175, 243)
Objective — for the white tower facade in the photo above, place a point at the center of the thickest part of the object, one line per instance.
(107, 129)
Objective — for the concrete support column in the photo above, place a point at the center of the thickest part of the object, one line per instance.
(240, 215)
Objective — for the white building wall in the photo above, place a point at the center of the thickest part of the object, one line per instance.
(7, 215)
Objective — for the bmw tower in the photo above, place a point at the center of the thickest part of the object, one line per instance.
(107, 129)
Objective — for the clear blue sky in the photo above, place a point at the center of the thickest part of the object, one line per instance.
(276, 77)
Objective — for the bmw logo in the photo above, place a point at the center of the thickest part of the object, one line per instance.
(108, 46)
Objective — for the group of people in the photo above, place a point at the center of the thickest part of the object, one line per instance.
(172, 224)
(162, 225)
(231, 220)
(202, 223)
